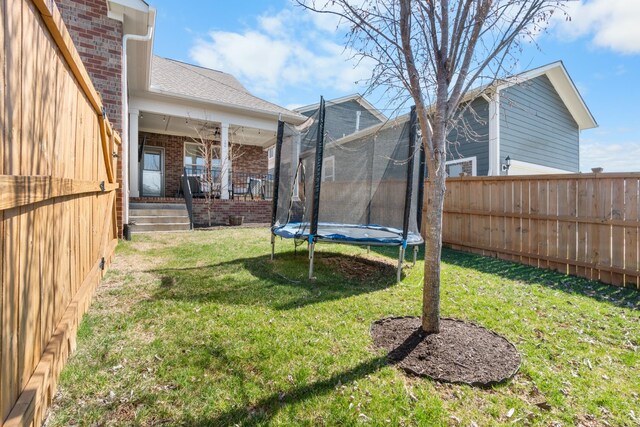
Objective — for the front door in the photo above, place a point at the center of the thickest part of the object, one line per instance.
(152, 172)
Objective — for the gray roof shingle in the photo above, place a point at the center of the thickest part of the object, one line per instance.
(192, 81)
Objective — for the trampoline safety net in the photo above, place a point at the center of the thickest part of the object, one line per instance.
(359, 187)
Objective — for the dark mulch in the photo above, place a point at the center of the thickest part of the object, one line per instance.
(461, 353)
(359, 268)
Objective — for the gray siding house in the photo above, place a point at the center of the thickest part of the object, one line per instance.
(346, 115)
(534, 118)
(343, 116)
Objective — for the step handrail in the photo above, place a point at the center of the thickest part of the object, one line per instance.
(188, 196)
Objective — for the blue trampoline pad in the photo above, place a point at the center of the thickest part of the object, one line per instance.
(354, 234)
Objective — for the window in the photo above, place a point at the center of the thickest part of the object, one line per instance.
(455, 168)
(271, 158)
(194, 160)
(329, 169)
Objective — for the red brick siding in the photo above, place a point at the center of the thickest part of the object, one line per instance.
(98, 40)
(254, 211)
(245, 158)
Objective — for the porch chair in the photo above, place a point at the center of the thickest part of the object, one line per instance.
(253, 188)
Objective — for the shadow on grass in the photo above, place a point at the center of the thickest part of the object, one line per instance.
(263, 410)
(281, 284)
(620, 297)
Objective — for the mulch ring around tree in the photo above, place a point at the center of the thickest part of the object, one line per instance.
(462, 353)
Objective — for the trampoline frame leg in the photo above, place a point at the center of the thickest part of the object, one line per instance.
(273, 246)
(400, 260)
(312, 247)
(415, 255)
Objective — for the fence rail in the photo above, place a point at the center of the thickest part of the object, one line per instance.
(57, 203)
(584, 224)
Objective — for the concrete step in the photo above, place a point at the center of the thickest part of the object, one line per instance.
(159, 212)
(157, 206)
(138, 228)
(175, 219)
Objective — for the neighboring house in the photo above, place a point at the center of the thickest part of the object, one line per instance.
(157, 104)
(534, 118)
(344, 116)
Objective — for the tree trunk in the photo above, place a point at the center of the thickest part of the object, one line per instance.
(433, 204)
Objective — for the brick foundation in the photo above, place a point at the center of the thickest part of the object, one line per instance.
(254, 211)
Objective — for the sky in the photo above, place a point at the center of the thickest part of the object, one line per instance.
(291, 56)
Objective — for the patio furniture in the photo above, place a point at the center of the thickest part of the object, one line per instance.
(253, 188)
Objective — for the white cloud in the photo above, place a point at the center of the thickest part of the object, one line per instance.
(612, 24)
(613, 157)
(250, 56)
(286, 49)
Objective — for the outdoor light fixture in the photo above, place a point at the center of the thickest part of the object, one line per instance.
(506, 165)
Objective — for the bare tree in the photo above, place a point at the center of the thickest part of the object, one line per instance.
(208, 143)
(437, 51)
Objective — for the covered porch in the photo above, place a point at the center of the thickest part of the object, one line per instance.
(198, 132)
(168, 145)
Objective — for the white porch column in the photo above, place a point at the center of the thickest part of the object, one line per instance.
(134, 169)
(494, 135)
(224, 160)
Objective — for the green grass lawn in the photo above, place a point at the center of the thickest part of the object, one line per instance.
(204, 329)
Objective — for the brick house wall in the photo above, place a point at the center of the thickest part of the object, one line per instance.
(245, 158)
(253, 211)
(98, 40)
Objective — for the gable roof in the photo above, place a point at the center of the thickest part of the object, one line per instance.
(564, 85)
(191, 82)
(557, 74)
(354, 97)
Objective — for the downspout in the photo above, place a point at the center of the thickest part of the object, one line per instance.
(125, 121)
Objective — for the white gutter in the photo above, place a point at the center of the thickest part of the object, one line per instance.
(125, 121)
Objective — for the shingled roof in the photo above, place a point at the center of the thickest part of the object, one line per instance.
(180, 79)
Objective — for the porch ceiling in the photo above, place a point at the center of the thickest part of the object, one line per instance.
(184, 126)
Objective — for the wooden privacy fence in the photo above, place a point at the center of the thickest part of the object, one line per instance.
(57, 213)
(586, 225)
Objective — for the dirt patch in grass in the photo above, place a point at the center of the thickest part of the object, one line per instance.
(461, 353)
(358, 268)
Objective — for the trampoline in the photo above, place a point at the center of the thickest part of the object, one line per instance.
(355, 234)
(360, 188)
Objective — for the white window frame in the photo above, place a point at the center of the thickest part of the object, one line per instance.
(325, 167)
(271, 157)
(474, 164)
(216, 149)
